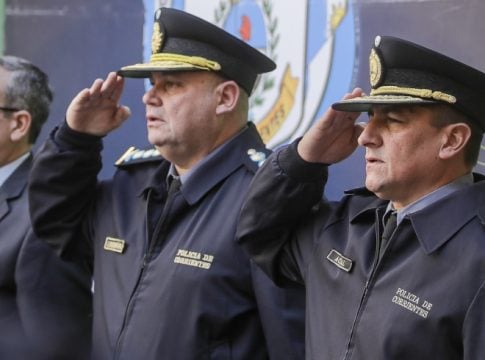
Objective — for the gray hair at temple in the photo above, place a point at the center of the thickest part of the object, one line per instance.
(27, 89)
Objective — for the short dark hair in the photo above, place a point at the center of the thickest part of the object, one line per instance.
(446, 115)
(28, 89)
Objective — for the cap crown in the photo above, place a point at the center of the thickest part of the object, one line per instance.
(402, 72)
(183, 42)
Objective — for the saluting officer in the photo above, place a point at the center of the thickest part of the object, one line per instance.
(394, 270)
(170, 280)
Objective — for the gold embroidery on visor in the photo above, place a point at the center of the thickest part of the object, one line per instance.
(422, 93)
(196, 61)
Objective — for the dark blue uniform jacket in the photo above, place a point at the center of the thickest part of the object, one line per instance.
(45, 304)
(424, 299)
(169, 283)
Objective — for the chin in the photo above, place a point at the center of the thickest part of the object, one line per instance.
(373, 187)
(154, 140)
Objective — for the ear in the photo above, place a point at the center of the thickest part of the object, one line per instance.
(455, 137)
(228, 97)
(20, 125)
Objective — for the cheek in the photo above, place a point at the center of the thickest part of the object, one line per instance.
(409, 161)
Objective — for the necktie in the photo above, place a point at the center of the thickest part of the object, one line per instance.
(389, 227)
(156, 239)
(173, 187)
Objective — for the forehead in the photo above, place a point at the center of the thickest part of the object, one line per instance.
(181, 75)
(404, 109)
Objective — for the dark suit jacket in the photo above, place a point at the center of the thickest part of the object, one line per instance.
(45, 304)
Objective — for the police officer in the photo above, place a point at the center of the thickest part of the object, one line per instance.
(37, 321)
(393, 270)
(170, 282)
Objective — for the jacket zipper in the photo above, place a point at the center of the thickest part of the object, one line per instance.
(368, 283)
(146, 259)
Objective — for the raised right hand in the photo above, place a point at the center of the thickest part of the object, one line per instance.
(333, 137)
(96, 111)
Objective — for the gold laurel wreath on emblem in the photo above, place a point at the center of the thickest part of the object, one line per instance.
(157, 38)
(337, 16)
(375, 68)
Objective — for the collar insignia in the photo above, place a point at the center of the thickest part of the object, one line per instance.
(134, 156)
(257, 156)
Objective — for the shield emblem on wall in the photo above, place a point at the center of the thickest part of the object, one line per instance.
(312, 43)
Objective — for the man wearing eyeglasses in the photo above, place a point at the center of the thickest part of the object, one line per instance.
(45, 306)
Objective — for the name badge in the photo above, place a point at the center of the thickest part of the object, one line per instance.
(339, 260)
(115, 245)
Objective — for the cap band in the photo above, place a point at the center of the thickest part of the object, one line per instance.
(196, 61)
(422, 93)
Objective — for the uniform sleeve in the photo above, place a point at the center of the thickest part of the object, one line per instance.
(62, 189)
(474, 328)
(282, 315)
(281, 196)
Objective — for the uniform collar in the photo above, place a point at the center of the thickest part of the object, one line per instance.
(17, 180)
(230, 156)
(425, 201)
(460, 207)
(244, 149)
(172, 171)
(432, 232)
(7, 170)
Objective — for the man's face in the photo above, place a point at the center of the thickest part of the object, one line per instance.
(7, 147)
(402, 162)
(181, 115)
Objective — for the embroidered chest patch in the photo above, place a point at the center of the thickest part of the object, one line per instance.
(193, 258)
(412, 302)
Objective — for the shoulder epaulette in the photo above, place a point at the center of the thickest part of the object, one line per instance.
(136, 156)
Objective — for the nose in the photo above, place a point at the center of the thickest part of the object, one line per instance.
(150, 98)
(370, 135)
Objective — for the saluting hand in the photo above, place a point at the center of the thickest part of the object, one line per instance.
(333, 137)
(96, 110)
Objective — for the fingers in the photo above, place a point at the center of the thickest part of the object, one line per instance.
(333, 137)
(344, 118)
(82, 96)
(112, 87)
(118, 88)
(96, 110)
(355, 93)
(108, 89)
(95, 89)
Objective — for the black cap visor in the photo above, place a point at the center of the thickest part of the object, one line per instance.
(365, 103)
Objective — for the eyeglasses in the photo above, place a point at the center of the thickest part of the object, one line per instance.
(3, 108)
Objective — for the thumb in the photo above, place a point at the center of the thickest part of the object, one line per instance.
(122, 113)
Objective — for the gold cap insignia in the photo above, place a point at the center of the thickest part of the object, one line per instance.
(157, 38)
(375, 68)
